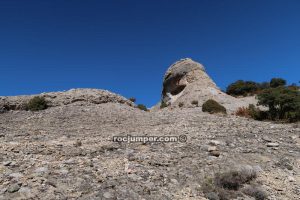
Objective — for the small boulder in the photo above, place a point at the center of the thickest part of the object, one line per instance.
(14, 188)
(272, 144)
(215, 153)
(212, 148)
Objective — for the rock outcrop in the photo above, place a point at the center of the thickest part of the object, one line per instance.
(186, 81)
(73, 96)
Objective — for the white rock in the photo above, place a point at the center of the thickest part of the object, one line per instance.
(267, 139)
(272, 144)
(16, 175)
(212, 148)
(214, 142)
(108, 195)
(7, 163)
(41, 170)
(291, 179)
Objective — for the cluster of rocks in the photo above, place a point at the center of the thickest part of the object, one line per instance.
(67, 152)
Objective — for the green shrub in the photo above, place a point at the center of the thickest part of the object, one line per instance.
(212, 106)
(283, 103)
(181, 104)
(264, 85)
(257, 114)
(132, 99)
(243, 88)
(142, 107)
(37, 103)
(277, 82)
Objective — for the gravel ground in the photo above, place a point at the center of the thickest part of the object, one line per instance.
(67, 152)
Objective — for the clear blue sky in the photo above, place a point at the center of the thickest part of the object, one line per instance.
(126, 46)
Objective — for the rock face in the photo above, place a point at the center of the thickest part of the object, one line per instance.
(186, 81)
(73, 96)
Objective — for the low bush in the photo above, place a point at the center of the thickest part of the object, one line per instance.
(252, 112)
(243, 112)
(181, 104)
(242, 88)
(231, 184)
(142, 107)
(260, 115)
(211, 106)
(277, 82)
(234, 179)
(37, 103)
(264, 85)
(255, 191)
(246, 88)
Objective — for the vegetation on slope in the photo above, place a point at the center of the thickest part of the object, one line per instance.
(282, 101)
(37, 103)
(211, 106)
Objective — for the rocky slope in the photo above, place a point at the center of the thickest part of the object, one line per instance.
(67, 152)
(73, 96)
(186, 81)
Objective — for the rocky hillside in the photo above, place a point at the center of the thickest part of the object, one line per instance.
(70, 150)
(67, 152)
(73, 96)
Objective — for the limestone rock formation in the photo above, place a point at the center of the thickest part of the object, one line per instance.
(186, 81)
(73, 96)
